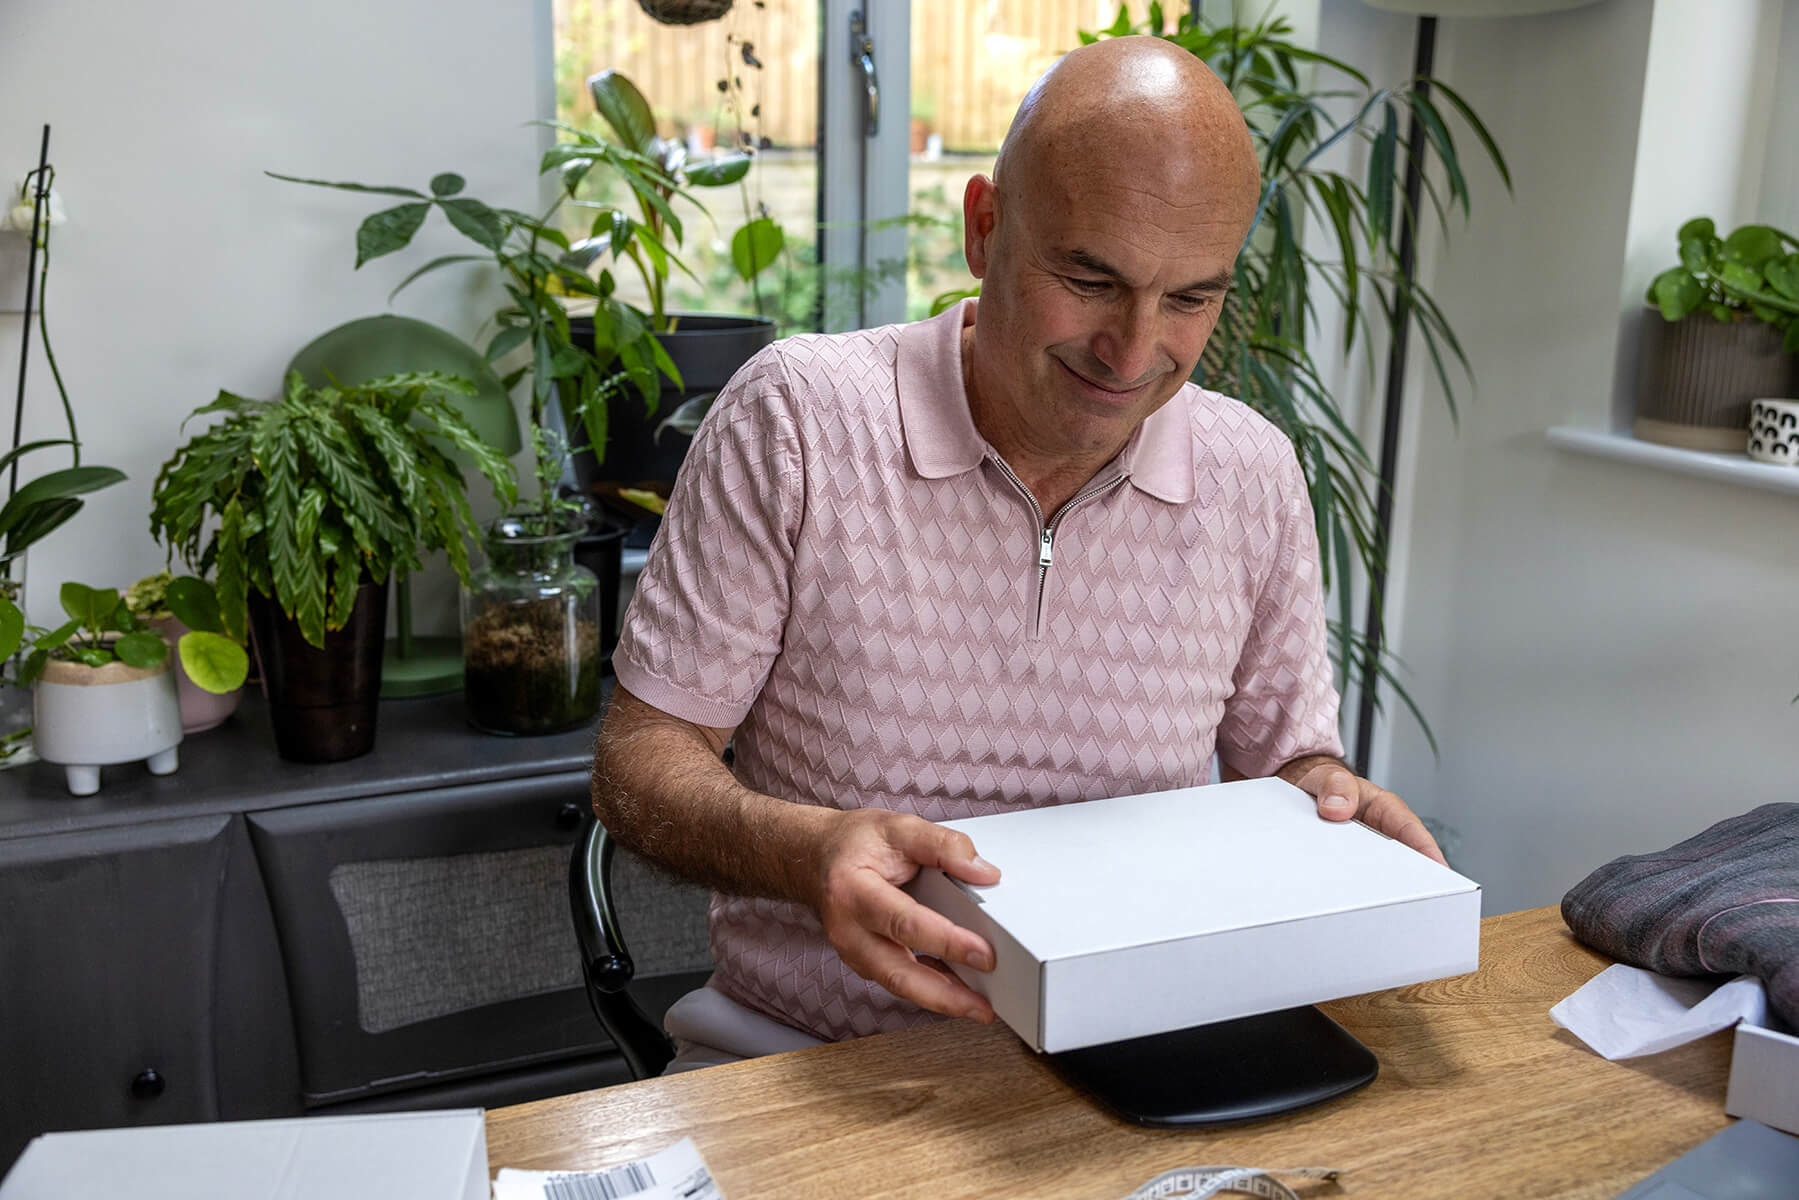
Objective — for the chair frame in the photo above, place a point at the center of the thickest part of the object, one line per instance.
(606, 964)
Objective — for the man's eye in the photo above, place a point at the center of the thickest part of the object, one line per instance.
(1191, 303)
(1087, 287)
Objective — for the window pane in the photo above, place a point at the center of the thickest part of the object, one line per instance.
(749, 80)
(971, 65)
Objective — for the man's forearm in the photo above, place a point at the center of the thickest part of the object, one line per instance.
(660, 788)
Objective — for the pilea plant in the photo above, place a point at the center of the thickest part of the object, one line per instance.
(1753, 273)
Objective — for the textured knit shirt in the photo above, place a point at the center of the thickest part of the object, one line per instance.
(850, 576)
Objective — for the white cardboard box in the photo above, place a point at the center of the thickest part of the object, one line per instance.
(1764, 1077)
(1119, 918)
(386, 1156)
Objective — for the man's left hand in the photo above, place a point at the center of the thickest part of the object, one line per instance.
(1342, 794)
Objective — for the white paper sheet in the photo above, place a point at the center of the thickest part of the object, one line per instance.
(677, 1173)
(1625, 1012)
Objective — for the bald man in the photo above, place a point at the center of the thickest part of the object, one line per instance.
(1002, 558)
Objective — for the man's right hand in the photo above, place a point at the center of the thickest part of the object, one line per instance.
(880, 932)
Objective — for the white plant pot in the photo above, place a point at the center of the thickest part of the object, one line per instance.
(89, 717)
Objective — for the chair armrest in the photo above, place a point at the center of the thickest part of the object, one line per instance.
(604, 958)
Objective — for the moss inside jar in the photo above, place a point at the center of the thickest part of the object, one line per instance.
(531, 633)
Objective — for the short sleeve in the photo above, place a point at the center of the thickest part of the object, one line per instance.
(1284, 705)
(707, 616)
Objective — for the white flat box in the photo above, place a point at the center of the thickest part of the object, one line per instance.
(1764, 1077)
(1119, 918)
(386, 1156)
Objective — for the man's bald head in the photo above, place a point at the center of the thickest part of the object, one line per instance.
(1132, 103)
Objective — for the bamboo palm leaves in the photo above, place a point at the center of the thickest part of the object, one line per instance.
(317, 490)
(1322, 231)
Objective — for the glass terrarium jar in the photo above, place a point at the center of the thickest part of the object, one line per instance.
(531, 634)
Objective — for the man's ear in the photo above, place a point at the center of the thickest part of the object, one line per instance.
(980, 220)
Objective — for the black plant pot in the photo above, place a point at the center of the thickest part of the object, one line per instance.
(322, 702)
(707, 350)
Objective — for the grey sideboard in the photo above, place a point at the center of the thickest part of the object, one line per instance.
(254, 938)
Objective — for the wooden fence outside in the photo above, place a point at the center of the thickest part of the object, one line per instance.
(971, 63)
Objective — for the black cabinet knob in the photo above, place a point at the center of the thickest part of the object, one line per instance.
(568, 816)
(149, 1084)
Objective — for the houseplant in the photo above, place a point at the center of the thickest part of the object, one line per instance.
(102, 687)
(318, 497)
(1727, 334)
(210, 666)
(44, 504)
(586, 345)
(1263, 350)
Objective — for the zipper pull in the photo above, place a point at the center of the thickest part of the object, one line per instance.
(1044, 546)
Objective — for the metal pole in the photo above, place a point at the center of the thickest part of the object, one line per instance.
(1424, 54)
(39, 213)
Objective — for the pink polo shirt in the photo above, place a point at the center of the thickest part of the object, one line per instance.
(850, 577)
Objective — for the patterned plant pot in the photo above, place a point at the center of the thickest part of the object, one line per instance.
(1699, 375)
(1774, 432)
(88, 717)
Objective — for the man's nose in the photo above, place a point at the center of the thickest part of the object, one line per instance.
(1130, 343)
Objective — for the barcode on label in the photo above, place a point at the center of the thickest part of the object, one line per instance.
(609, 1184)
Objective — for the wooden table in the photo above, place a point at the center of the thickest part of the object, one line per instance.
(1479, 1095)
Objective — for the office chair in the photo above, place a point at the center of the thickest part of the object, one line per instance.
(606, 964)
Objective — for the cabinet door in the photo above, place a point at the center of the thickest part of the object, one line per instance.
(139, 982)
(427, 936)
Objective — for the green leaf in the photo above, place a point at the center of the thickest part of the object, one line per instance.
(506, 341)
(624, 109)
(434, 264)
(347, 187)
(56, 485)
(756, 246)
(1380, 181)
(447, 184)
(12, 456)
(1753, 245)
(1438, 134)
(232, 573)
(213, 661)
(1782, 275)
(719, 171)
(194, 604)
(475, 220)
(12, 628)
(1474, 123)
(1676, 292)
(93, 607)
(388, 230)
(140, 649)
(1702, 228)
(38, 523)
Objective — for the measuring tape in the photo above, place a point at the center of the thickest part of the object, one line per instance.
(1196, 1183)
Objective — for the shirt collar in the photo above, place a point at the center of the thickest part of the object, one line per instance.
(941, 439)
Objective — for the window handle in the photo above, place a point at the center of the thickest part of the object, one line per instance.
(862, 53)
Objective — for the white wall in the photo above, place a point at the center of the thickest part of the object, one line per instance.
(183, 269)
(1591, 640)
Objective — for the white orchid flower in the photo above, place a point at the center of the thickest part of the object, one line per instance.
(18, 215)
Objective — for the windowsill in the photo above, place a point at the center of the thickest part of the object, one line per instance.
(1738, 469)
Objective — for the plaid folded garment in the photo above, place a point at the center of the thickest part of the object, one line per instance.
(1724, 902)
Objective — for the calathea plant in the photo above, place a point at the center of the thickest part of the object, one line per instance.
(315, 491)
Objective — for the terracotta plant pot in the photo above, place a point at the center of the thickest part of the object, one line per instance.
(1699, 375)
(200, 709)
(88, 717)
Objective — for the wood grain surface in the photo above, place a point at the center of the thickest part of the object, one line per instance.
(1479, 1095)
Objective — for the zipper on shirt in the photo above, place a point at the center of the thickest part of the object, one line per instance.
(1046, 530)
